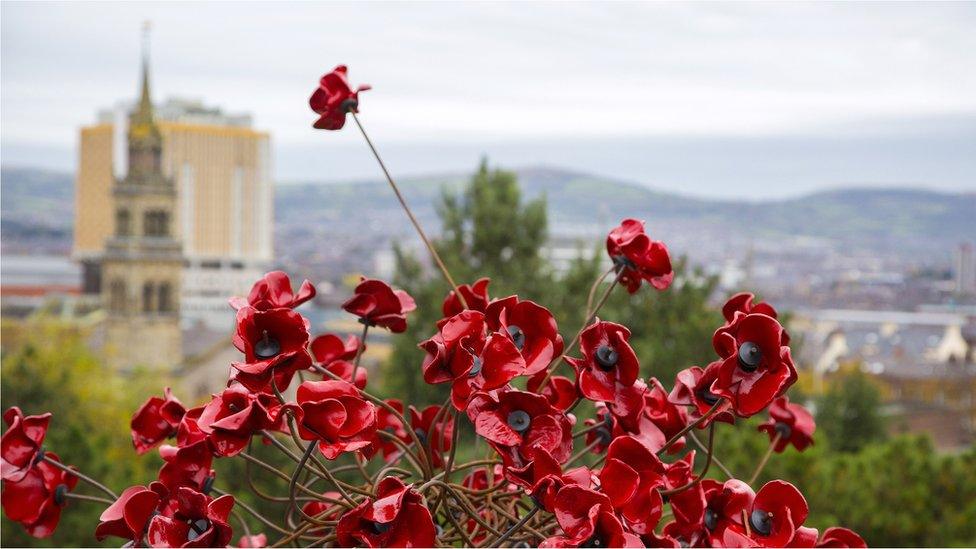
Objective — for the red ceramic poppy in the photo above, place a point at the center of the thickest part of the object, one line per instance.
(437, 436)
(609, 368)
(256, 540)
(21, 443)
(397, 517)
(189, 431)
(840, 537)
(639, 427)
(560, 391)
(688, 503)
(128, 517)
(333, 99)
(452, 351)
(631, 477)
(232, 417)
(743, 303)
(664, 414)
(514, 422)
(793, 423)
(36, 499)
(773, 517)
(335, 414)
(531, 327)
(198, 521)
(377, 304)
(587, 520)
(637, 258)
(693, 387)
(187, 466)
(543, 477)
(725, 504)
(274, 343)
(756, 364)
(273, 291)
(327, 348)
(601, 437)
(475, 295)
(155, 421)
(499, 362)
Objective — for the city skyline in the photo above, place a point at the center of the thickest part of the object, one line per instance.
(896, 109)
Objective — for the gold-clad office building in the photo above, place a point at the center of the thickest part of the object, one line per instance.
(219, 169)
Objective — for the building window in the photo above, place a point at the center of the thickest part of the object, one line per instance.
(164, 302)
(147, 297)
(156, 223)
(116, 299)
(122, 223)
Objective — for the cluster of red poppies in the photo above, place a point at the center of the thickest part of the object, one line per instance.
(500, 358)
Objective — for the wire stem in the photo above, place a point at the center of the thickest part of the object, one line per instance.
(403, 203)
(762, 464)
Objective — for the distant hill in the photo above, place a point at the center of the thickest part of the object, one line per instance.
(870, 216)
(41, 201)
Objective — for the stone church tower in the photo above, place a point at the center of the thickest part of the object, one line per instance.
(143, 261)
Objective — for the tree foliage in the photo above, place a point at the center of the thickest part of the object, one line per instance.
(849, 412)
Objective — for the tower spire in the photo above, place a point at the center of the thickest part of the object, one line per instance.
(145, 101)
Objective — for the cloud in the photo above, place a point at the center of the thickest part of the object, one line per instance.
(500, 72)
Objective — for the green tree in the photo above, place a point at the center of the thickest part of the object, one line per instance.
(48, 368)
(849, 414)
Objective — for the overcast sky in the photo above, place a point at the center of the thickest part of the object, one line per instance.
(756, 100)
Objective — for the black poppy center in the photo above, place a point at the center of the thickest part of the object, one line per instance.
(421, 435)
(519, 420)
(707, 396)
(750, 356)
(60, 494)
(349, 104)
(761, 522)
(784, 430)
(475, 367)
(267, 346)
(197, 528)
(379, 527)
(518, 336)
(621, 262)
(711, 519)
(595, 541)
(207, 484)
(606, 357)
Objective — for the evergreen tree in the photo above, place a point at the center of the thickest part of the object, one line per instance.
(849, 415)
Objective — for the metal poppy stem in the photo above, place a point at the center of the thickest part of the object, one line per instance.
(712, 411)
(81, 476)
(718, 463)
(589, 297)
(515, 528)
(708, 463)
(359, 352)
(413, 219)
(769, 453)
(83, 497)
(382, 404)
